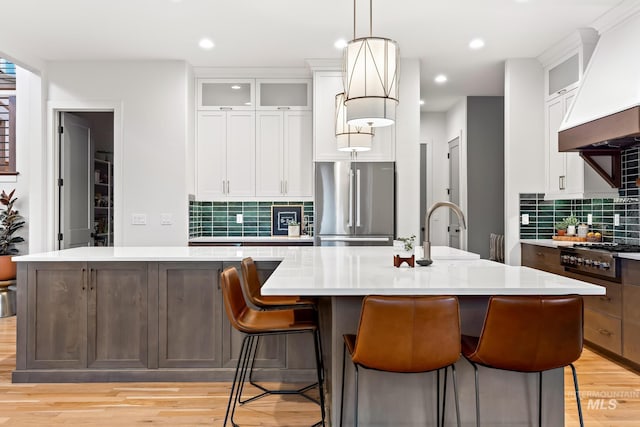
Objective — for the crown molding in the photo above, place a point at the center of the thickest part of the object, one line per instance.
(616, 16)
(252, 72)
(321, 64)
(586, 37)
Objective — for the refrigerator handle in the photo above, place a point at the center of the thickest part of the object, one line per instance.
(357, 197)
(350, 223)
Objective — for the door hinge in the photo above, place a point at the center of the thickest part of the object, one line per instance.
(448, 228)
(60, 129)
(448, 155)
(60, 237)
(60, 182)
(448, 191)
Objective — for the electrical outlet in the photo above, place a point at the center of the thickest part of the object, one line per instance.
(139, 219)
(239, 219)
(589, 219)
(166, 219)
(616, 220)
(525, 219)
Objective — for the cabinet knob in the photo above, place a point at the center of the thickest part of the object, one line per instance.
(605, 332)
(606, 299)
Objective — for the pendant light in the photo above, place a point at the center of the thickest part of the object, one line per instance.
(370, 78)
(350, 138)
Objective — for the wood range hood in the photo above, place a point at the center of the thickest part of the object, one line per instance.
(600, 142)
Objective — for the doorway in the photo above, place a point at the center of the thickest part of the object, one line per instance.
(426, 184)
(454, 191)
(85, 179)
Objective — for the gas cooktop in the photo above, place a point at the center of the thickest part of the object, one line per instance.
(609, 247)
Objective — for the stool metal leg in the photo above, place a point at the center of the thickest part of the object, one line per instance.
(455, 393)
(355, 411)
(444, 395)
(438, 398)
(540, 399)
(475, 368)
(575, 386)
(234, 385)
(319, 367)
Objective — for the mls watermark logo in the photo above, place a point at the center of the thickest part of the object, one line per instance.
(606, 400)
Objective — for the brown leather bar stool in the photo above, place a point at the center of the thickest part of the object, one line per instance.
(528, 334)
(305, 310)
(409, 334)
(255, 323)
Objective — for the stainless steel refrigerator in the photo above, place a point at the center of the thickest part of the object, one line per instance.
(355, 203)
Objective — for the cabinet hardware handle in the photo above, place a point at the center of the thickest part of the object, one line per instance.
(539, 253)
(607, 299)
(228, 187)
(286, 187)
(562, 182)
(223, 189)
(561, 91)
(84, 278)
(284, 108)
(605, 332)
(91, 276)
(226, 108)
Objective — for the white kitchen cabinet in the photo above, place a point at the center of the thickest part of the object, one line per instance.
(326, 85)
(283, 94)
(225, 155)
(284, 164)
(567, 175)
(226, 94)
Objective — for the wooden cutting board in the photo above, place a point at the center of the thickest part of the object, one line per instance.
(570, 238)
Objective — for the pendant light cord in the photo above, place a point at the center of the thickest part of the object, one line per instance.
(354, 19)
(370, 19)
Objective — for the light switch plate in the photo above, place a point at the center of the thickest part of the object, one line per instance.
(166, 219)
(616, 219)
(589, 219)
(239, 219)
(139, 219)
(525, 219)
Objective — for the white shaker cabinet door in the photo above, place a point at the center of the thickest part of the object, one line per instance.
(211, 153)
(241, 154)
(326, 85)
(298, 148)
(269, 154)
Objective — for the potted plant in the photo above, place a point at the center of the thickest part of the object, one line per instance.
(561, 227)
(10, 222)
(294, 228)
(571, 222)
(406, 247)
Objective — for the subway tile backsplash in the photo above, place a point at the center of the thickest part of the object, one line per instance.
(218, 219)
(543, 214)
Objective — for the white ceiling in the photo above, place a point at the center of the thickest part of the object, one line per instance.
(283, 33)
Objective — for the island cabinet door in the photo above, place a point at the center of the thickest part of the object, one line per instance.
(272, 350)
(117, 315)
(189, 315)
(631, 310)
(57, 316)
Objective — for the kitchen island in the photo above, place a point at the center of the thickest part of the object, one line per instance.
(155, 314)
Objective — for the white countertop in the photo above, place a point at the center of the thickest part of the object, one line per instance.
(629, 255)
(261, 239)
(352, 270)
(550, 243)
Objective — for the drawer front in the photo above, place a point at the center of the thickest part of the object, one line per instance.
(603, 330)
(610, 304)
(541, 258)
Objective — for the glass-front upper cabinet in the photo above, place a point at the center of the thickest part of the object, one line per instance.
(226, 94)
(284, 94)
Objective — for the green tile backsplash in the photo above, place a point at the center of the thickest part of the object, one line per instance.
(208, 219)
(543, 214)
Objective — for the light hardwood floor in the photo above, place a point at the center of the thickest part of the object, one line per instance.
(195, 404)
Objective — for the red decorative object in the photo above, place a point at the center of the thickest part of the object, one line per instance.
(398, 260)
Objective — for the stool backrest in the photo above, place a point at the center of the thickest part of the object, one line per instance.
(531, 333)
(234, 302)
(251, 281)
(408, 334)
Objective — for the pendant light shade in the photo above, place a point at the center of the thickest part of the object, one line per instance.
(350, 138)
(371, 79)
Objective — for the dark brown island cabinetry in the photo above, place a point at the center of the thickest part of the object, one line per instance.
(137, 321)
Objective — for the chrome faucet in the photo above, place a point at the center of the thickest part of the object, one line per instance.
(426, 245)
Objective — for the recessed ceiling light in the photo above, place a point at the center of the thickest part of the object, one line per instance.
(476, 44)
(206, 44)
(340, 44)
(236, 87)
(422, 102)
(440, 78)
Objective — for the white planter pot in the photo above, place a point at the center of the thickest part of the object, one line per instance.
(294, 231)
(571, 230)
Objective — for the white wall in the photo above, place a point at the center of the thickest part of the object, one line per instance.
(150, 149)
(524, 143)
(456, 126)
(433, 131)
(408, 150)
